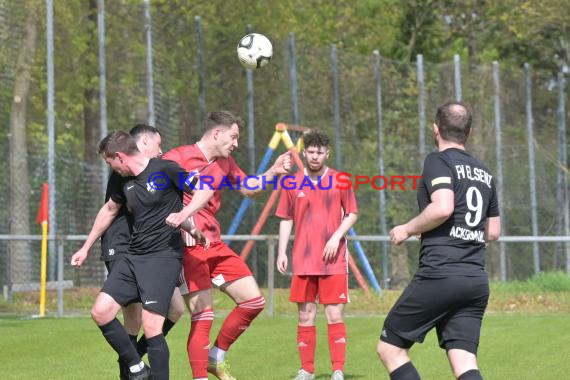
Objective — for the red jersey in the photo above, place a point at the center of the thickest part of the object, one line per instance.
(317, 210)
(192, 159)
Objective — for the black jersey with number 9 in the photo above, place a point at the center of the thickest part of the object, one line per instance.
(457, 247)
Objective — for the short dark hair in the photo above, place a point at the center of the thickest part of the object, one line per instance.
(220, 118)
(141, 129)
(454, 122)
(118, 141)
(316, 139)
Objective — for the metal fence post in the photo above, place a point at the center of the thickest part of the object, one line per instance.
(380, 160)
(336, 108)
(531, 160)
(60, 278)
(52, 257)
(562, 165)
(270, 273)
(201, 68)
(149, 66)
(102, 85)
(499, 158)
(457, 76)
(421, 105)
(293, 82)
(251, 149)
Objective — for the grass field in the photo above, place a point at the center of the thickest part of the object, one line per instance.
(512, 347)
(525, 336)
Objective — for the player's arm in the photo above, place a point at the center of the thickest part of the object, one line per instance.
(103, 220)
(285, 228)
(257, 184)
(200, 199)
(195, 232)
(201, 194)
(437, 212)
(331, 248)
(492, 228)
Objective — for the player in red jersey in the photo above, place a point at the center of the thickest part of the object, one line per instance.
(322, 214)
(210, 159)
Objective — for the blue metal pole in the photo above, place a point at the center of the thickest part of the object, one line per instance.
(364, 261)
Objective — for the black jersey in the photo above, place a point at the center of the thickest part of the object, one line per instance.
(151, 196)
(115, 240)
(457, 247)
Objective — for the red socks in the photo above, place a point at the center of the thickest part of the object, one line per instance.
(306, 343)
(238, 321)
(199, 342)
(337, 345)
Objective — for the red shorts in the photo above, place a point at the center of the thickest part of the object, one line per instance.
(216, 265)
(331, 289)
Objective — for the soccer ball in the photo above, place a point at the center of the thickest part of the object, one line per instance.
(254, 51)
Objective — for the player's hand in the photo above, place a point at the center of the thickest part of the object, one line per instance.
(282, 262)
(79, 257)
(200, 237)
(176, 219)
(196, 233)
(331, 249)
(399, 234)
(283, 164)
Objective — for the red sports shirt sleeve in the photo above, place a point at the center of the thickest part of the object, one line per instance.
(348, 201)
(285, 205)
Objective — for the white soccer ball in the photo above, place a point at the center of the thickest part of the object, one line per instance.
(254, 51)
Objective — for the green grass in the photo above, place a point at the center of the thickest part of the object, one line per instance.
(513, 346)
(543, 282)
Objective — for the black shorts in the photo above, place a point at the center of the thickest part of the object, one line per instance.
(147, 279)
(110, 264)
(453, 305)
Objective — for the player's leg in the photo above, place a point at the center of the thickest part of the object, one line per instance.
(396, 361)
(156, 276)
(408, 322)
(199, 304)
(304, 293)
(459, 332)
(231, 274)
(333, 293)
(119, 289)
(158, 353)
(464, 364)
(174, 313)
(306, 339)
(249, 304)
(131, 322)
(197, 293)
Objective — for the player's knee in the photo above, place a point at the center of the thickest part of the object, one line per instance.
(176, 311)
(100, 315)
(306, 318)
(334, 316)
(387, 352)
(256, 304)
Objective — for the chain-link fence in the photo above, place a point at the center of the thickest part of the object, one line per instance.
(378, 113)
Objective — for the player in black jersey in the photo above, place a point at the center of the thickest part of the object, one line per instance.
(115, 243)
(458, 214)
(149, 271)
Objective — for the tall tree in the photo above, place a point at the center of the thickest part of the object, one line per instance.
(20, 253)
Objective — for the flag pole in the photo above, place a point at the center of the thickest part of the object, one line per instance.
(43, 220)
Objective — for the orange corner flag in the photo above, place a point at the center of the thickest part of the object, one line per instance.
(43, 210)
